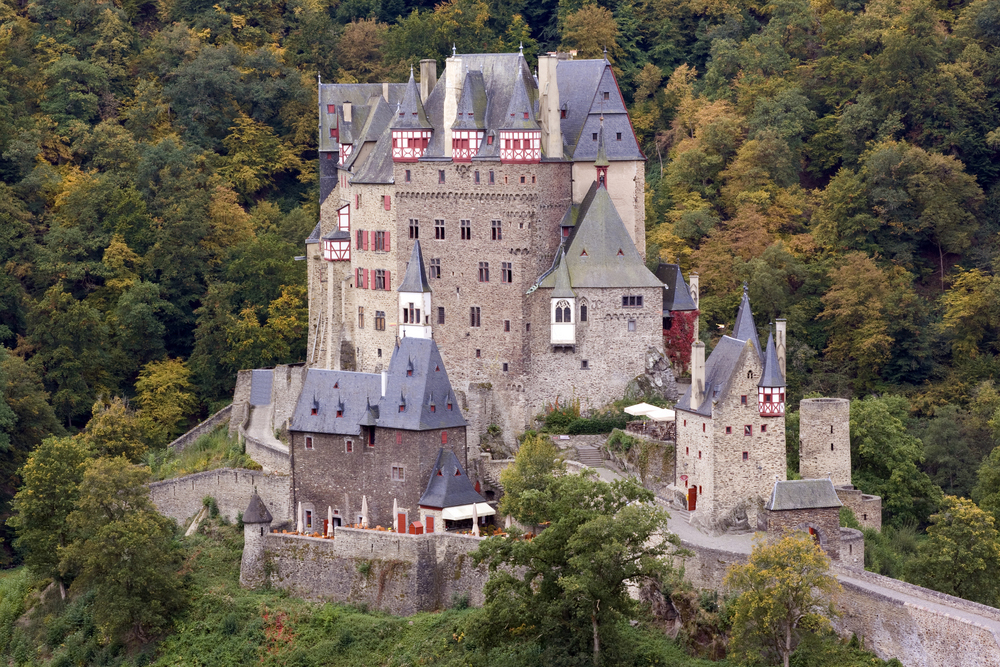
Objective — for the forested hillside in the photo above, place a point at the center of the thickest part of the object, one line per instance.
(157, 178)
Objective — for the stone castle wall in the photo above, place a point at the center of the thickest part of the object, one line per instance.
(204, 428)
(271, 458)
(825, 439)
(825, 521)
(867, 508)
(182, 498)
(240, 408)
(397, 573)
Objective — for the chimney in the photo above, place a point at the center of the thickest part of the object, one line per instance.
(428, 77)
(454, 79)
(385, 91)
(698, 391)
(385, 380)
(548, 106)
(347, 112)
(695, 296)
(780, 326)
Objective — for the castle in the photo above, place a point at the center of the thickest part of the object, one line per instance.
(513, 206)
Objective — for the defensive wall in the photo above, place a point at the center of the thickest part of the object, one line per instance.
(207, 426)
(867, 508)
(182, 498)
(920, 627)
(270, 457)
(397, 573)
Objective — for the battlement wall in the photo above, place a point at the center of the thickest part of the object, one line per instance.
(182, 498)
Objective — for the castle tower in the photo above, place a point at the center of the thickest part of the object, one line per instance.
(256, 525)
(825, 439)
(415, 298)
(771, 388)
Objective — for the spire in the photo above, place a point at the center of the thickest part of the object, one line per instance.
(562, 288)
(415, 279)
(771, 375)
(471, 111)
(601, 163)
(520, 111)
(744, 329)
(256, 511)
(410, 110)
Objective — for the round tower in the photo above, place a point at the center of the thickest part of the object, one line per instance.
(825, 439)
(256, 526)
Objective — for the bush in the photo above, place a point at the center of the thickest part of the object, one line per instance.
(597, 425)
(621, 442)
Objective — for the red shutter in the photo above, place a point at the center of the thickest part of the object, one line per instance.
(388, 280)
(387, 241)
(387, 202)
(444, 437)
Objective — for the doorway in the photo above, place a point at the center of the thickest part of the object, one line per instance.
(692, 498)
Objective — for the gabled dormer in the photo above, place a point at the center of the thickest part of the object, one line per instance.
(469, 128)
(771, 388)
(411, 131)
(520, 134)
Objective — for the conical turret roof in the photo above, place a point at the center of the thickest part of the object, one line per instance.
(745, 329)
(410, 112)
(562, 289)
(256, 511)
(602, 152)
(415, 279)
(771, 377)
(471, 113)
(520, 104)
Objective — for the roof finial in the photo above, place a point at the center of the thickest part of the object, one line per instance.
(520, 48)
(453, 48)
(605, 51)
(745, 288)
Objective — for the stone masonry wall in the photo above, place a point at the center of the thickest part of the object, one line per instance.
(397, 573)
(867, 508)
(825, 439)
(207, 426)
(240, 412)
(270, 457)
(626, 185)
(852, 548)
(825, 521)
(182, 498)
(285, 389)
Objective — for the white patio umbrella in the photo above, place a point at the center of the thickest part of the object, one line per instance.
(364, 511)
(300, 523)
(475, 521)
(329, 521)
(395, 514)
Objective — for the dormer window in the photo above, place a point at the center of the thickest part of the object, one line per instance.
(525, 115)
(340, 414)
(314, 411)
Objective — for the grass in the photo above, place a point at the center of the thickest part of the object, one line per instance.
(210, 451)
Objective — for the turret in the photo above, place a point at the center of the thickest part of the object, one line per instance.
(411, 131)
(520, 135)
(256, 525)
(771, 388)
(562, 305)
(469, 128)
(415, 298)
(601, 163)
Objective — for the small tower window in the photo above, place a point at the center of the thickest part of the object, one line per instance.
(309, 442)
(476, 177)
(583, 313)
(505, 367)
(729, 430)
(831, 446)
(763, 428)
(746, 456)
(594, 136)
(584, 365)
(618, 136)
(748, 430)
(743, 400)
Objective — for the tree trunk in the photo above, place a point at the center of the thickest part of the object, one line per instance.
(786, 654)
(597, 637)
(62, 589)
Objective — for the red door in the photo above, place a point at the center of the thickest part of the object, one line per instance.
(326, 526)
(692, 498)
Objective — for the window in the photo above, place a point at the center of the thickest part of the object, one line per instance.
(309, 442)
(506, 272)
(331, 108)
(309, 519)
(444, 436)
(618, 136)
(632, 301)
(631, 325)
(436, 268)
(831, 428)
(414, 228)
(340, 414)
(583, 313)
(584, 365)
(743, 400)
(398, 475)
(474, 319)
(699, 453)
(831, 446)
(439, 229)
(440, 175)
(702, 428)
(746, 456)
(562, 113)
(475, 177)
(484, 272)
(489, 142)
(380, 321)
(357, 200)
(532, 178)
(411, 315)
(348, 446)
(360, 239)
(380, 241)
(496, 230)
(729, 430)
(506, 326)
(594, 136)
(361, 317)
(763, 428)
(387, 202)
(478, 353)
(407, 177)
(687, 451)
(466, 226)
(314, 410)
(492, 179)
(522, 179)
(380, 279)
(399, 437)
(371, 436)
(505, 367)
(527, 327)
(440, 315)
(607, 95)
(563, 312)
(748, 430)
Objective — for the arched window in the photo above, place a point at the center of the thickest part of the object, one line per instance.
(558, 314)
(563, 312)
(567, 314)
(583, 312)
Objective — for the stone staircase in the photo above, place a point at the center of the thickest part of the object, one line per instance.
(677, 513)
(590, 456)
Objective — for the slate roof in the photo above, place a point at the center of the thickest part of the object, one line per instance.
(377, 167)
(676, 293)
(410, 112)
(449, 485)
(601, 253)
(360, 96)
(329, 391)
(718, 372)
(562, 287)
(521, 109)
(314, 237)
(472, 104)
(582, 84)
(260, 386)
(428, 385)
(256, 511)
(802, 494)
(415, 278)
(744, 328)
(771, 376)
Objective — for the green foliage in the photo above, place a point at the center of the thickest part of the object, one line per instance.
(783, 592)
(620, 441)
(210, 451)
(536, 461)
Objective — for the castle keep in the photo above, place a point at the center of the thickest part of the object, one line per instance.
(513, 203)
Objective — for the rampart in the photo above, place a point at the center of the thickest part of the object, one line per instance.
(397, 573)
(270, 457)
(182, 498)
(867, 509)
(920, 627)
(207, 426)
